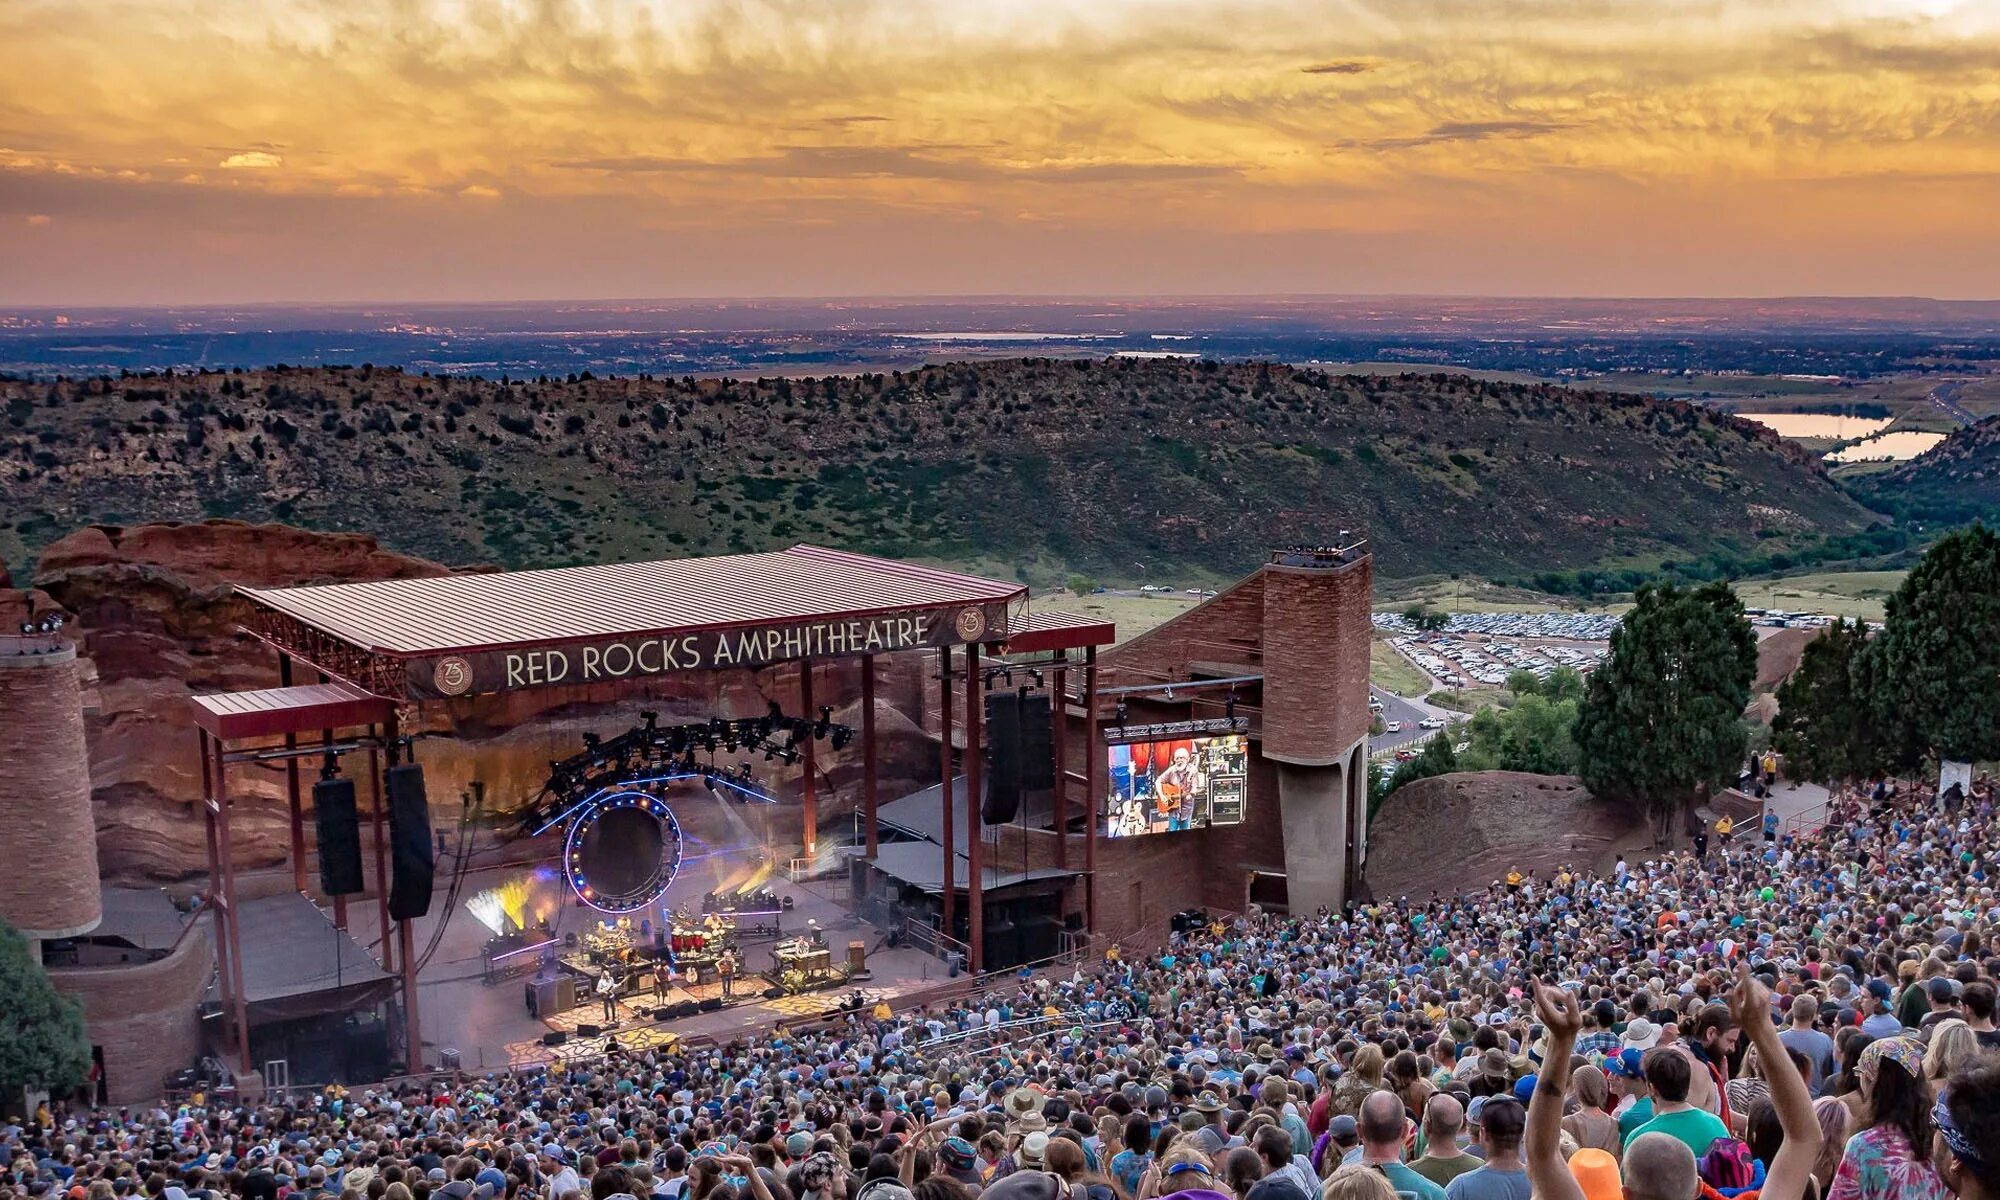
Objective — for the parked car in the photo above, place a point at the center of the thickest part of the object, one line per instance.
(1431, 723)
(1394, 727)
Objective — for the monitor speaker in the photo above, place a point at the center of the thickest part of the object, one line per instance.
(1038, 755)
(712, 1004)
(339, 826)
(1040, 938)
(413, 859)
(554, 1037)
(1002, 799)
(1003, 945)
(583, 1030)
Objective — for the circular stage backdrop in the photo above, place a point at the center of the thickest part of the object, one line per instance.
(623, 849)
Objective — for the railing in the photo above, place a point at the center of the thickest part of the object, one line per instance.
(1806, 821)
(934, 941)
(1412, 744)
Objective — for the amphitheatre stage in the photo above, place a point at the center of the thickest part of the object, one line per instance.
(712, 733)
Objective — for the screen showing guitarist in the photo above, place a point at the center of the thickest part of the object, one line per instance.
(1178, 788)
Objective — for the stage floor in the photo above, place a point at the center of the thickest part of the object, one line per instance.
(490, 1027)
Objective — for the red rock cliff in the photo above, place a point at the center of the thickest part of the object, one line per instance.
(157, 620)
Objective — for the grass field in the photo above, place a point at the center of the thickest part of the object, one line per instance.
(1842, 593)
(1474, 595)
(1392, 672)
(1133, 615)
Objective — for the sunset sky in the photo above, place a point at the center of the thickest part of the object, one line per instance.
(190, 151)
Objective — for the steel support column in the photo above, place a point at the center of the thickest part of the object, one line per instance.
(1058, 740)
(809, 787)
(868, 752)
(1092, 753)
(406, 946)
(975, 904)
(944, 787)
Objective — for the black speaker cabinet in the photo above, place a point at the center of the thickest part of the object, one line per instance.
(413, 857)
(1038, 754)
(338, 823)
(1002, 798)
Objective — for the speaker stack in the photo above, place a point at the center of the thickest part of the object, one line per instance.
(1038, 754)
(338, 823)
(1020, 753)
(1002, 801)
(413, 859)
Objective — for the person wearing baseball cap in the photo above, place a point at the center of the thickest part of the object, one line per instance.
(1627, 1074)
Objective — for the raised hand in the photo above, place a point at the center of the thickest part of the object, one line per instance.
(1557, 1009)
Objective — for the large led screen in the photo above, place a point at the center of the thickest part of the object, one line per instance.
(1175, 784)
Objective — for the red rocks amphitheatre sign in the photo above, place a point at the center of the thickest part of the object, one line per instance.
(633, 657)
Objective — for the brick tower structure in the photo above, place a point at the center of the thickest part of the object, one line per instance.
(48, 854)
(1316, 638)
(1286, 648)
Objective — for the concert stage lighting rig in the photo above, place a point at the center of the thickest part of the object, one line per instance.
(623, 845)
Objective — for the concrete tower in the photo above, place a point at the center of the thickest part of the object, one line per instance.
(48, 838)
(1316, 631)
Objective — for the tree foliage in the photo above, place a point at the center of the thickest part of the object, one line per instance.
(1535, 735)
(42, 1042)
(1437, 758)
(1826, 725)
(1938, 682)
(1661, 716)
(1426, 619)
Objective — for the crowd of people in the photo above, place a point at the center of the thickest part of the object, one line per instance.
(1783, 1016)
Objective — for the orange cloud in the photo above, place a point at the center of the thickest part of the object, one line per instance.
(884, 124)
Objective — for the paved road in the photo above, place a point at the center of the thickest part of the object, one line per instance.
(1409, 712)
(1945, 396)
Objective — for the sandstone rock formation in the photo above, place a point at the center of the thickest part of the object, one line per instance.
(156, 616)
(1500, 821)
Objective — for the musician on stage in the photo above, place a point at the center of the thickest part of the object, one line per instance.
(816, 935)
(607, 991)
(726, 968)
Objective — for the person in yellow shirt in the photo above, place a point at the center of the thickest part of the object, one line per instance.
(1724, 828)
(1514, 880)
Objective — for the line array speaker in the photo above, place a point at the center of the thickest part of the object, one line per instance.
(338, 823)
(1038, 755)
(1002, 799)
(413, 858)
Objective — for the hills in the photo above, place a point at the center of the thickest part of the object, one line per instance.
(1030, 467)
(1954, 482)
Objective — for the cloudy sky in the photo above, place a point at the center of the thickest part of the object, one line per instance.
(162, 151)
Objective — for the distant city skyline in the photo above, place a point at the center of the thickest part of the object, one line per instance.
(238, 151)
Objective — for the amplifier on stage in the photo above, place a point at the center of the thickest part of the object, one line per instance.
(857, 957)
(554, 996)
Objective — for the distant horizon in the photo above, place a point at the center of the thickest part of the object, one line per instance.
(175, 153)
(1862, 298)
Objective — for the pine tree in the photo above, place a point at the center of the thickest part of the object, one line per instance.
(1826, 725)
(42, 1042)
(1940, 650)
(1662, 716)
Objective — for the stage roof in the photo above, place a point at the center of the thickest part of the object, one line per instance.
(921, 865)
(293, 951)
(271, 711)
(468, 613)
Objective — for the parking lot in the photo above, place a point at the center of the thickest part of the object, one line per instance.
(1483, 649)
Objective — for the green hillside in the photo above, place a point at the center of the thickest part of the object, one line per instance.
(1033, 467)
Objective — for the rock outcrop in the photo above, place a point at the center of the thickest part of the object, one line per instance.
(1499, 821)
(156, 615)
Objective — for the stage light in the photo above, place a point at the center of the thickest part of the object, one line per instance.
(841, 736)
(825, 721)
